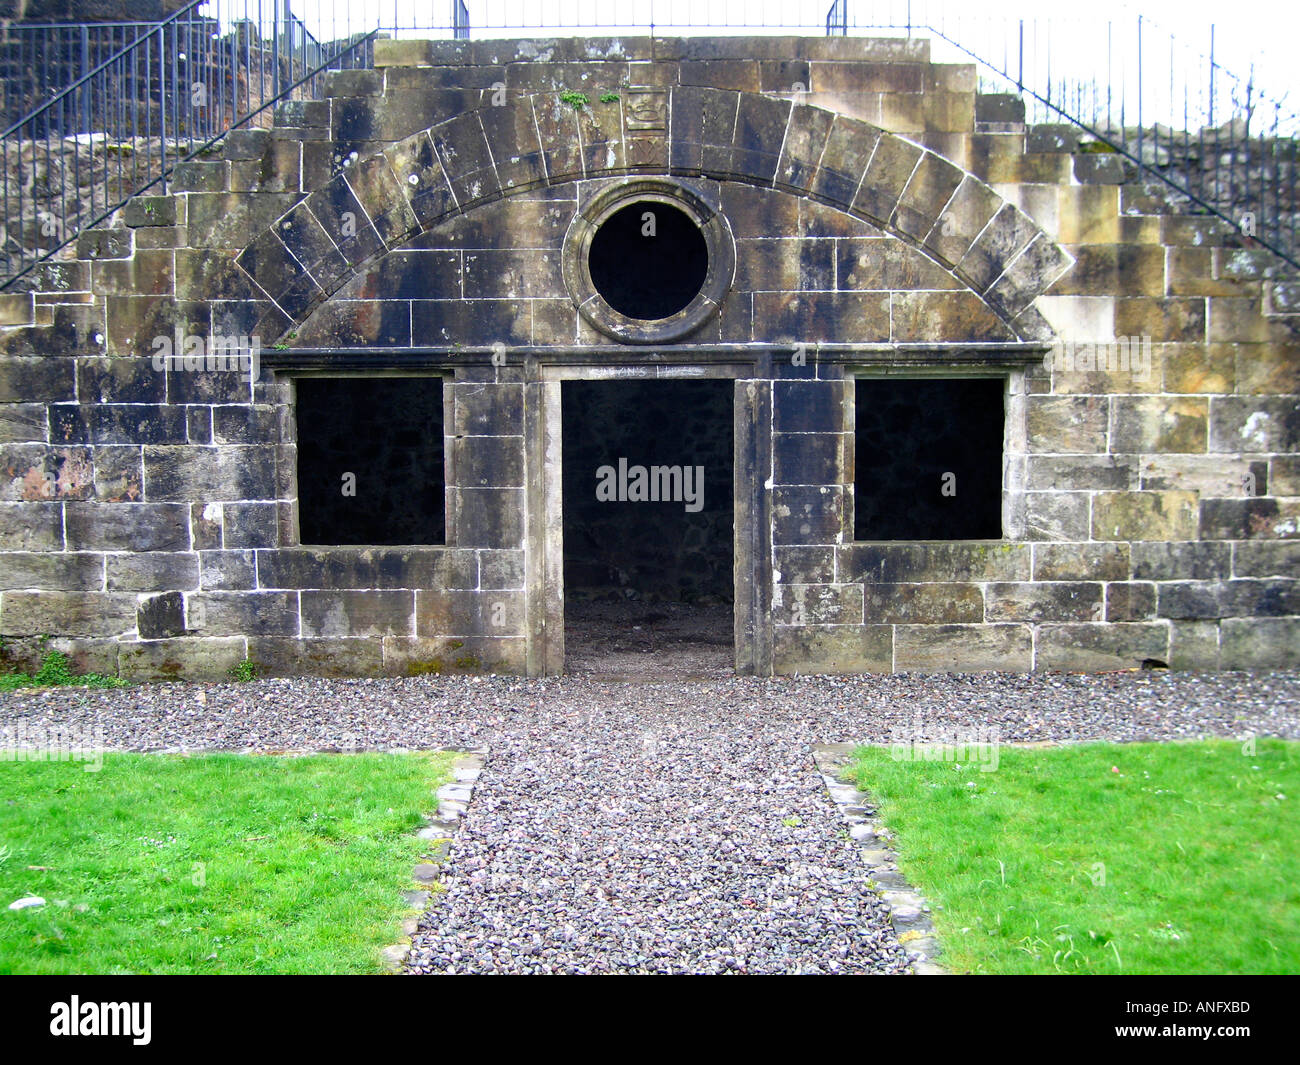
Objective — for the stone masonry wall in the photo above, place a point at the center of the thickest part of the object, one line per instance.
(415, 221)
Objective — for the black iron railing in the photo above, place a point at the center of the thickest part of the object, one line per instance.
(146, 96)
(173, 89)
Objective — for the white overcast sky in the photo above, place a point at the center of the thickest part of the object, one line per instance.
(1263, 32)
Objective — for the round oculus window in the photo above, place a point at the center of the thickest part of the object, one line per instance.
(648, 260)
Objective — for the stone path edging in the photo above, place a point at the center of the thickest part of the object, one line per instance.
(909, 913)
(440, 830)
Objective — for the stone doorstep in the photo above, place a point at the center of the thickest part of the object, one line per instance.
(909, 913)
(453, 803)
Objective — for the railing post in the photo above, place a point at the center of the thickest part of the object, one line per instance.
(162, 105)
(1211, 122)
(85, 69)
(1020, 78)
(1139, 88)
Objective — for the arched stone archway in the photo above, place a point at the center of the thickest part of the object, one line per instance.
(912, 193)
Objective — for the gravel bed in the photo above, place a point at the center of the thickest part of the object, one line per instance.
(667, 827)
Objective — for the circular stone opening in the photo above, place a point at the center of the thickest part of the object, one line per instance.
(648, 260)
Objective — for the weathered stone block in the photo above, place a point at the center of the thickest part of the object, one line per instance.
(417, 656)
(1091, 647)
(1005, 236)
(160, 616)
(808, 514)
(61, 572)
(1043, 601)
(1154, 561)
(192, 474)
(1056, 515)
(1144, 516)
(810, 458)
(801, 151)
(833, 648)
(180, 659)
(1194, 645)
(105, 244)
(817, 604)
(908, 563)
(1081, 562)
(1067, 424)
(24, 423)
(809, 317)
(344, 567)
(963, 648)
(37, 380)
(801, 564)
(1265, 558)
(1259, 643)
(1174, 318)
(127, 527)
(358, 613)
(243, 613)
(1234, 598)
(249, 525)
(1197, 367)
(1210, 475)
(922, 604)
(1254, 424)
(964, 217)
(31, 526)
(150, 571)
(1082, 472)
(34, 472)
(891, 167)
(882, 263)
(1249, 518)
(944, 317)
(1159, 423)
(66, 613)
(227, 570)
(440, 613)
(1130, 602)
(276, 656)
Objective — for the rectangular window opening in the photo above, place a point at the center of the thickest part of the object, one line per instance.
(370, 461)
(928, 458)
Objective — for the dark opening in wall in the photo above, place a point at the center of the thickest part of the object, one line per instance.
(624, 442)
(648, 260)
(370, 460)
(928, 459)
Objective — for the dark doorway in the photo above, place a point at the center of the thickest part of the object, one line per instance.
(370, 461)
(928, 459)
(648, 536)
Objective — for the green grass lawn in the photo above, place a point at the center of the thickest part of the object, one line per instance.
(1186, 860)
(210, 864)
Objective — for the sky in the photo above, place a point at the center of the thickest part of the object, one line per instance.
(1073, 39)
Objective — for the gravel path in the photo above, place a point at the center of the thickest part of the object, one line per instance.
(652, 827)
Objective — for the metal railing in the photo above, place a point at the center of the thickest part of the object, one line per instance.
(837, 19)
(1215, 142)
(169, 93)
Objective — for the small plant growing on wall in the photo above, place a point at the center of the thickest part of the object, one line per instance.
(244, 671)
(577, 100)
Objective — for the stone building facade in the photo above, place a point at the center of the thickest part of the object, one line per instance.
(853, 224)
